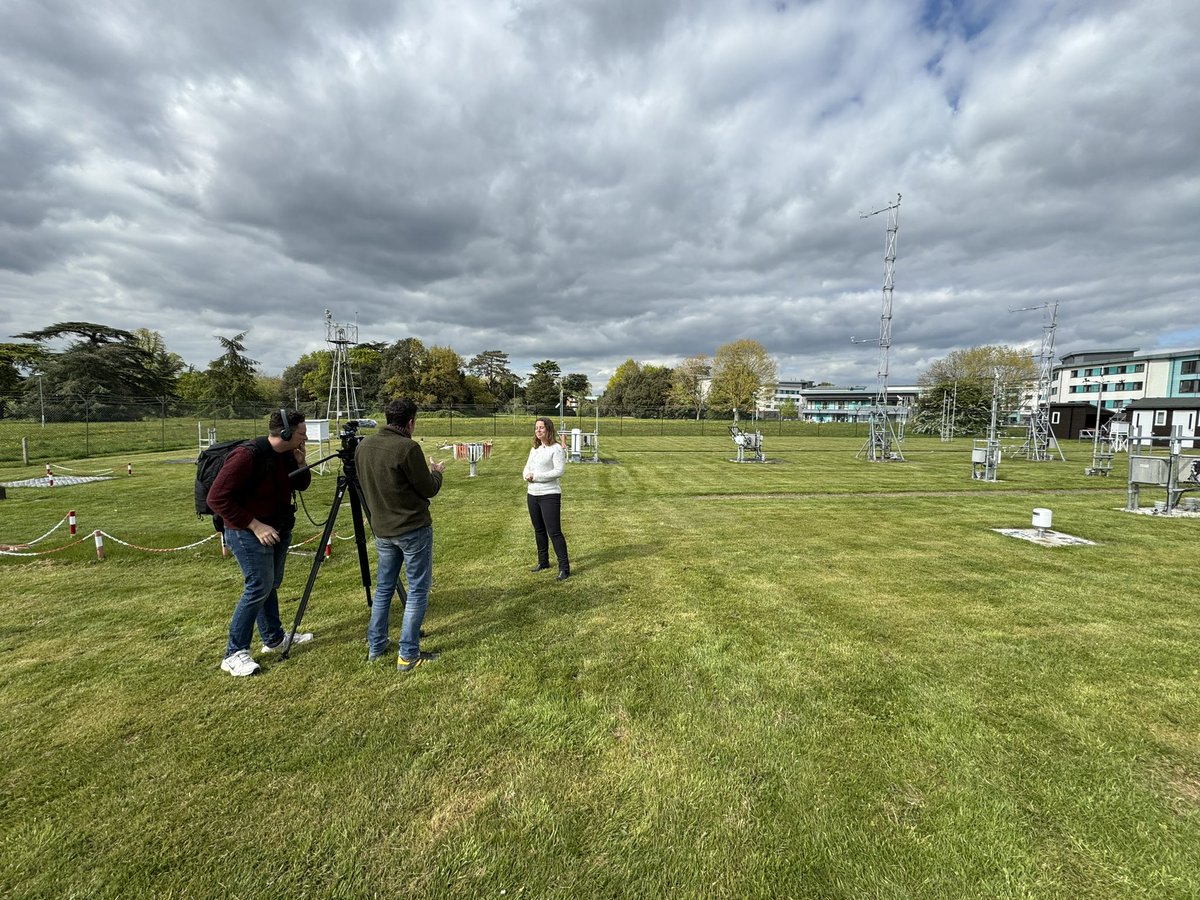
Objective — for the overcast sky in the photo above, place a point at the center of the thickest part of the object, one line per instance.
(593, 180)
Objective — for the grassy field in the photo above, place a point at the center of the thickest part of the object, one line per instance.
(817, 677)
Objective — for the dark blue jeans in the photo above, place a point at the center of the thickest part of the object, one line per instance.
(262, 567)
(414, 553)
(545, 512)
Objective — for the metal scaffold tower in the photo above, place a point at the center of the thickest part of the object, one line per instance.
(985, 454)
(343, 396)
(949, 413)
(883, 442)
(1040, 443)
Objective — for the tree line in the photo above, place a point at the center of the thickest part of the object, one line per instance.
(111, 374)
(965, 382)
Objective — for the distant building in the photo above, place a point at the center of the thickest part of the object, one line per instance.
(769, 402)
(1126, 376)
(1160, 390)
(1164, 417)
(838, 405)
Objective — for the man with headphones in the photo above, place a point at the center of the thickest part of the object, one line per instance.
(253, 494)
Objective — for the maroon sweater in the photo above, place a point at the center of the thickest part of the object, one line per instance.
(238, 499)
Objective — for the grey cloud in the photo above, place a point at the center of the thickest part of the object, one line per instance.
(592, 181)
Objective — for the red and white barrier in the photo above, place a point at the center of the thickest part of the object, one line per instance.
(25, 548)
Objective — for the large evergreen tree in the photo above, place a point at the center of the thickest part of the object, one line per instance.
(102, 373)
(162, 366)
(16, 361)
(231, 379)
(542, 389)
(492, 367)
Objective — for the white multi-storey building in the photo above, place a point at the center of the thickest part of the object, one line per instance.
(771, 399)
(1161, 391)
(1124, 376)
(835, 404)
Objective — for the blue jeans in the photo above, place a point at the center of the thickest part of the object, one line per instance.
(262, 567)
(414, 553)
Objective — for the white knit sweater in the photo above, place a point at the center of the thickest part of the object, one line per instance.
(547, 465)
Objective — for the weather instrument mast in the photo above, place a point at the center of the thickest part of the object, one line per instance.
(883, 442)
(1040, 443)
(343, 397)
(949, 413)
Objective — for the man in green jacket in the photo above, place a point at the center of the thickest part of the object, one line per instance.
(397, 485)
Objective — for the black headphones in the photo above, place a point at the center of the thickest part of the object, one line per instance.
(286, 431)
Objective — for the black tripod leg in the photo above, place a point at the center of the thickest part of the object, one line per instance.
(316, 566)
(360, 537)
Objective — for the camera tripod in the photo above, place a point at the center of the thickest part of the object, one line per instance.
(347, 482)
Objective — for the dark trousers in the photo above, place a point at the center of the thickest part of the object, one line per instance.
(545, 512)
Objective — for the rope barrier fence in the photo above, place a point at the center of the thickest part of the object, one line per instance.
(98, 535)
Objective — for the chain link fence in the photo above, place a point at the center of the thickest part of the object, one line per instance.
(75, 427)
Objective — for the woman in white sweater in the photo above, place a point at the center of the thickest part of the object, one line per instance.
(543, 469)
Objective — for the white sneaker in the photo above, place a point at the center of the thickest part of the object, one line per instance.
(240, 664)
(301, 638)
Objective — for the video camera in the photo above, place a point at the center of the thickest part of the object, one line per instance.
(350, 437)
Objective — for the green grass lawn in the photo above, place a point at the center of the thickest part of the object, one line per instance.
(817, 677)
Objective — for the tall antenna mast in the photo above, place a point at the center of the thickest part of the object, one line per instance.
(883, 442)
(1040, 443)
(343, 397)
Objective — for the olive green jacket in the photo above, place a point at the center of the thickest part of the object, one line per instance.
(396, 482)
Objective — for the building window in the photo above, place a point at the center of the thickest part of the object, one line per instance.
(1160, 417)
(1074, 373)
(1190, 367)
(1190, 387)
(1140, 367)
(1054, 417)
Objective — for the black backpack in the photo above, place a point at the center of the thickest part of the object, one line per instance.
(209, 463)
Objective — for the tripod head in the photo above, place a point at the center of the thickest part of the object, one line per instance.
(350, 439)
